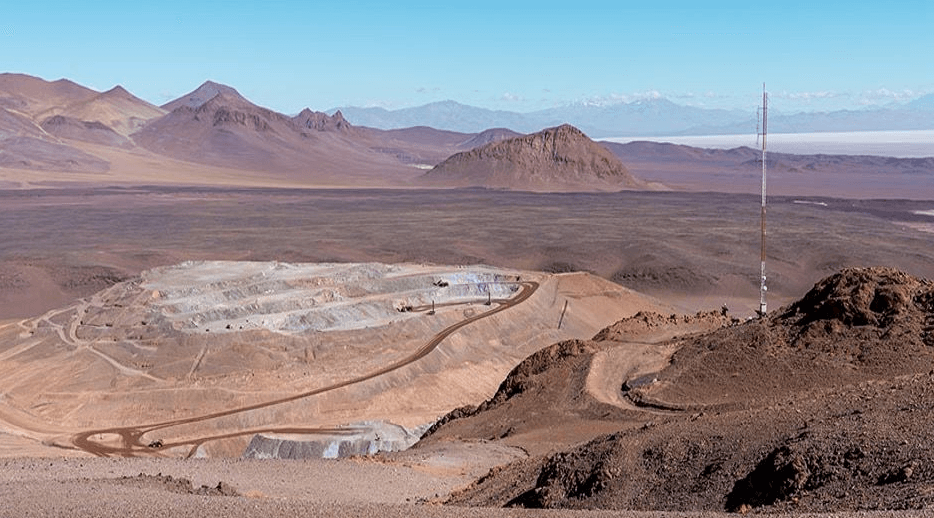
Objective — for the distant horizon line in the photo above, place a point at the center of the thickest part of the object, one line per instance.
(899, 144)
(868, 107)
(656, 97)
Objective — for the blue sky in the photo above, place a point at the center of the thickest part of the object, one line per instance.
(514, 55)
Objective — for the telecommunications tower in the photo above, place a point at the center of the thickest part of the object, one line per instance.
(763, 131)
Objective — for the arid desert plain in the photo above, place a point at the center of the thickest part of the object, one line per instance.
(212, 308)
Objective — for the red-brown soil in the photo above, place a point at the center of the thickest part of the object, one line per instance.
(822, 406)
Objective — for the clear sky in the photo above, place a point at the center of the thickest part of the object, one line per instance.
(505, 54)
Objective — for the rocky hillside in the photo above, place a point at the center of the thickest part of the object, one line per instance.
(201, 95)
(825, 405)
(117, 109)
(857, 325)
(555, 159)
(309, 120)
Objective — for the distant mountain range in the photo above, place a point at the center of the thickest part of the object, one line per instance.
(651, 117)
(60, 131)
(63, 127)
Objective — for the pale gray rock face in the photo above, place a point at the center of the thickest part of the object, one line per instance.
(365, 438)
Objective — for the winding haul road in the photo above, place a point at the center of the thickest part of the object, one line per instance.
(131, 442)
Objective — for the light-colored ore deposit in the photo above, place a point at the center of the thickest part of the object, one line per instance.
(316, 360)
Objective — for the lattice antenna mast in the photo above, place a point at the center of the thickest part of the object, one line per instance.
(762, 132)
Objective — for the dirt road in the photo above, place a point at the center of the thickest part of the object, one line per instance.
(131, 441)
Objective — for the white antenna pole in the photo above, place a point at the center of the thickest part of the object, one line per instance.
(762, 287)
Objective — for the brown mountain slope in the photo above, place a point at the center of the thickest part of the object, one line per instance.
(204, 93)
(16, 124)
(25, 145)
(545, 402)
(823, 406)
(229, 131)
(225, 130)
(32, 95)
(86, 131)
(45, 155)
(211, 126)
(116, 108)
(555, 159)
(41, 113)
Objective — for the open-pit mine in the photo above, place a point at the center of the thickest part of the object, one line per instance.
(269, 359)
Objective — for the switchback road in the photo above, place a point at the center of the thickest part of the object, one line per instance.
(132, 444)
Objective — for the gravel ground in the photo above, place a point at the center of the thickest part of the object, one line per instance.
(347, 488)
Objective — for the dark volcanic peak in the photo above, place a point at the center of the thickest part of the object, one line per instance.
(224, 129)
(204, 93)
(230, 131)
(226, 109)
(555, 159)
(320, 121)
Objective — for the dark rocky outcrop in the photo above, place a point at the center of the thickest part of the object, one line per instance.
(555, 159)
(822, 406)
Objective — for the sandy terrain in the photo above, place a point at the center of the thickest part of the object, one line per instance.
(657, 243)
(171, 286)
(202, 356)
(95, 242)
(114, 488)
